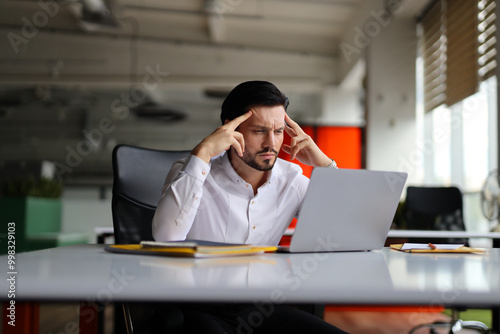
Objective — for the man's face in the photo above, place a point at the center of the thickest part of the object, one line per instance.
(263, 133)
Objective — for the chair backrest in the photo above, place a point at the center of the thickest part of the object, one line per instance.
(138, 176)
(435, 208)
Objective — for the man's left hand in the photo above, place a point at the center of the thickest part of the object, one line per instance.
(302, 147)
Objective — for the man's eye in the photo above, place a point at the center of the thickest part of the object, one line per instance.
(278, 132)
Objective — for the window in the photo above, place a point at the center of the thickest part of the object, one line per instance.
(461, 146)
(457, 107)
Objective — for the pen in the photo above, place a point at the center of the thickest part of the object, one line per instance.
(432, 246)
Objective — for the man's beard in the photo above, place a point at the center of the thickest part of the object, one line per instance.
(266, 165)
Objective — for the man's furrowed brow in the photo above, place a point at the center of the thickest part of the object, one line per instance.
(266, 128)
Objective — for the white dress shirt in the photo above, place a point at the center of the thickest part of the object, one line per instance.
(212, 202)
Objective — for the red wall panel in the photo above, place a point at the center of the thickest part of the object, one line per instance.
(343, 144)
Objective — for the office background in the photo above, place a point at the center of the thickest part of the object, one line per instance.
(79, 77)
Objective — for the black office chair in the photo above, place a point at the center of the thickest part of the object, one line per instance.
(441, 209)
(435, 208)
(138, 176)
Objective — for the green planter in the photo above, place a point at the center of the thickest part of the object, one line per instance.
(37, 223)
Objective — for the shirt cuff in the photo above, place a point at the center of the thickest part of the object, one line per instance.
(332, 165)
(196, 168)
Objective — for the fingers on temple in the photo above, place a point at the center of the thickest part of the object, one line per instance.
(238, 143)
(292, 128)
(297, 145)
(240, 119)
(291, 132)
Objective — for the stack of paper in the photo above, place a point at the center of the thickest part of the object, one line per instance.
(408, 246)
(190, 248)
(435, 248)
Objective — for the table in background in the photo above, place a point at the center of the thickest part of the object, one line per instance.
(103, 232)
(416, 234)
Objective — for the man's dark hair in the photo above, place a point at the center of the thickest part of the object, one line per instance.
(250, 94)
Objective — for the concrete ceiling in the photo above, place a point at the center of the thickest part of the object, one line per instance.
(212, 41)
(289, 25)
(64, 64)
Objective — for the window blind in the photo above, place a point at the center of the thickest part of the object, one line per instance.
(462, 50)
(434, 56)
(458, 49)
(487, 39)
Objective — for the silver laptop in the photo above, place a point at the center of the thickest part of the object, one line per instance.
(347, 210)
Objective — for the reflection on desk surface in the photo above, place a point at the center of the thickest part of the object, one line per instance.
(473, 272)
(231, 272)
(282, 271)
(87, 272)
(339, 270)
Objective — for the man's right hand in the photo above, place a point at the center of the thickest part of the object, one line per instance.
(222, 139)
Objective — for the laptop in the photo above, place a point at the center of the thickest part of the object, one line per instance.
(347, 210)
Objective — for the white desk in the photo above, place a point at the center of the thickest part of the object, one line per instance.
(84, 272)
(386, 277)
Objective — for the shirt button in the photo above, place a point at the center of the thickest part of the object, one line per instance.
(204, 173)
(246, 185)
(253, 227)
(253, 202)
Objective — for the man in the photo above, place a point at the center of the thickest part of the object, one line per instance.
(233, 188)
(228, 190)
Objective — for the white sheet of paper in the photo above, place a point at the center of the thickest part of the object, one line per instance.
(408, 246)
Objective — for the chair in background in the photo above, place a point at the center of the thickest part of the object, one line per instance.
(435, 208)
(439, 208)
(138, 176)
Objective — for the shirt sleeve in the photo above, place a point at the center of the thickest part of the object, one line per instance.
(180, 199)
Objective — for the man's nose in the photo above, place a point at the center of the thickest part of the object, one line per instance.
(270, 139)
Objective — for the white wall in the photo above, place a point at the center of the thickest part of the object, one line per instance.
(391, 121)
(83, 211)
(342, 107)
